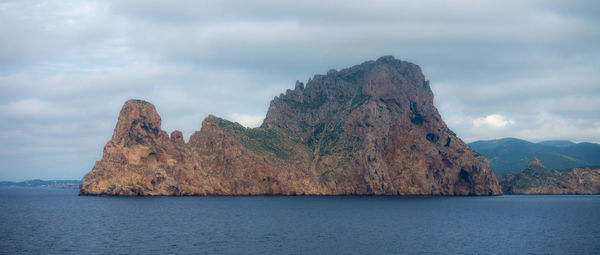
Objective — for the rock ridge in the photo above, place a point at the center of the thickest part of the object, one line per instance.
(370, 129)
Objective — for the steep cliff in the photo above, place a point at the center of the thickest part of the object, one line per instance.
(536, 179)
(368, 129)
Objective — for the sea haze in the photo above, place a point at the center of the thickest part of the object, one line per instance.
(45, 221)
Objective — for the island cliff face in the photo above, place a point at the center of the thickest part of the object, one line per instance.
(368, 129)
(536, 179)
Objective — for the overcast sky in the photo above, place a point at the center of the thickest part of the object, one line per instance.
(525, 69)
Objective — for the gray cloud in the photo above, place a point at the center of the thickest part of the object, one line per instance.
(526, 69)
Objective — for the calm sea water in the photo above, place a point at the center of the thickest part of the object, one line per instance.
(51, 221)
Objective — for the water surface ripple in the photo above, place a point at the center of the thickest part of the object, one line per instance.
(57, 221)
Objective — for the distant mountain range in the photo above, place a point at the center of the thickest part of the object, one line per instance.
(42, 183)
(510, 155)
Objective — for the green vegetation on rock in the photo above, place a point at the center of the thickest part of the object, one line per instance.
(139, 101)
(258, 139)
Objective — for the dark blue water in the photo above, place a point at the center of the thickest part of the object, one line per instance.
(50, 221)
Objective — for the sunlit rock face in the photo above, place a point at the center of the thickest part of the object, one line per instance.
(368, 129)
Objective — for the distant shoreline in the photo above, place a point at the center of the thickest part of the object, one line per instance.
(40, 187)
(63, 184)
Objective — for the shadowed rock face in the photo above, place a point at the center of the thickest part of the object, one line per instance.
(368, 129)
(536, 179)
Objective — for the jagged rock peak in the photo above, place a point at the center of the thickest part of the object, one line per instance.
(299, 85)
(212, 119)
(383, 67)
(535, 162)
(137, 117)
(387, 58)
(386, 79)
(177, 137)
(138, 101)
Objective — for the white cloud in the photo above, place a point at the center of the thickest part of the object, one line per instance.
(493, 121)
(250, 121)
(33, 108)
(29, 107)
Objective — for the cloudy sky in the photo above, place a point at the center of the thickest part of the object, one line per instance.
(526, 69)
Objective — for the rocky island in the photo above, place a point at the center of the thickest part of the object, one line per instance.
(536, 179)
(370, 129)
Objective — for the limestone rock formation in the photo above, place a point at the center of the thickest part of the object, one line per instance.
(536, 179)
(368, 129)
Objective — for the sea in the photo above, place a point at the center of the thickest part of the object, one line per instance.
(58, 221)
